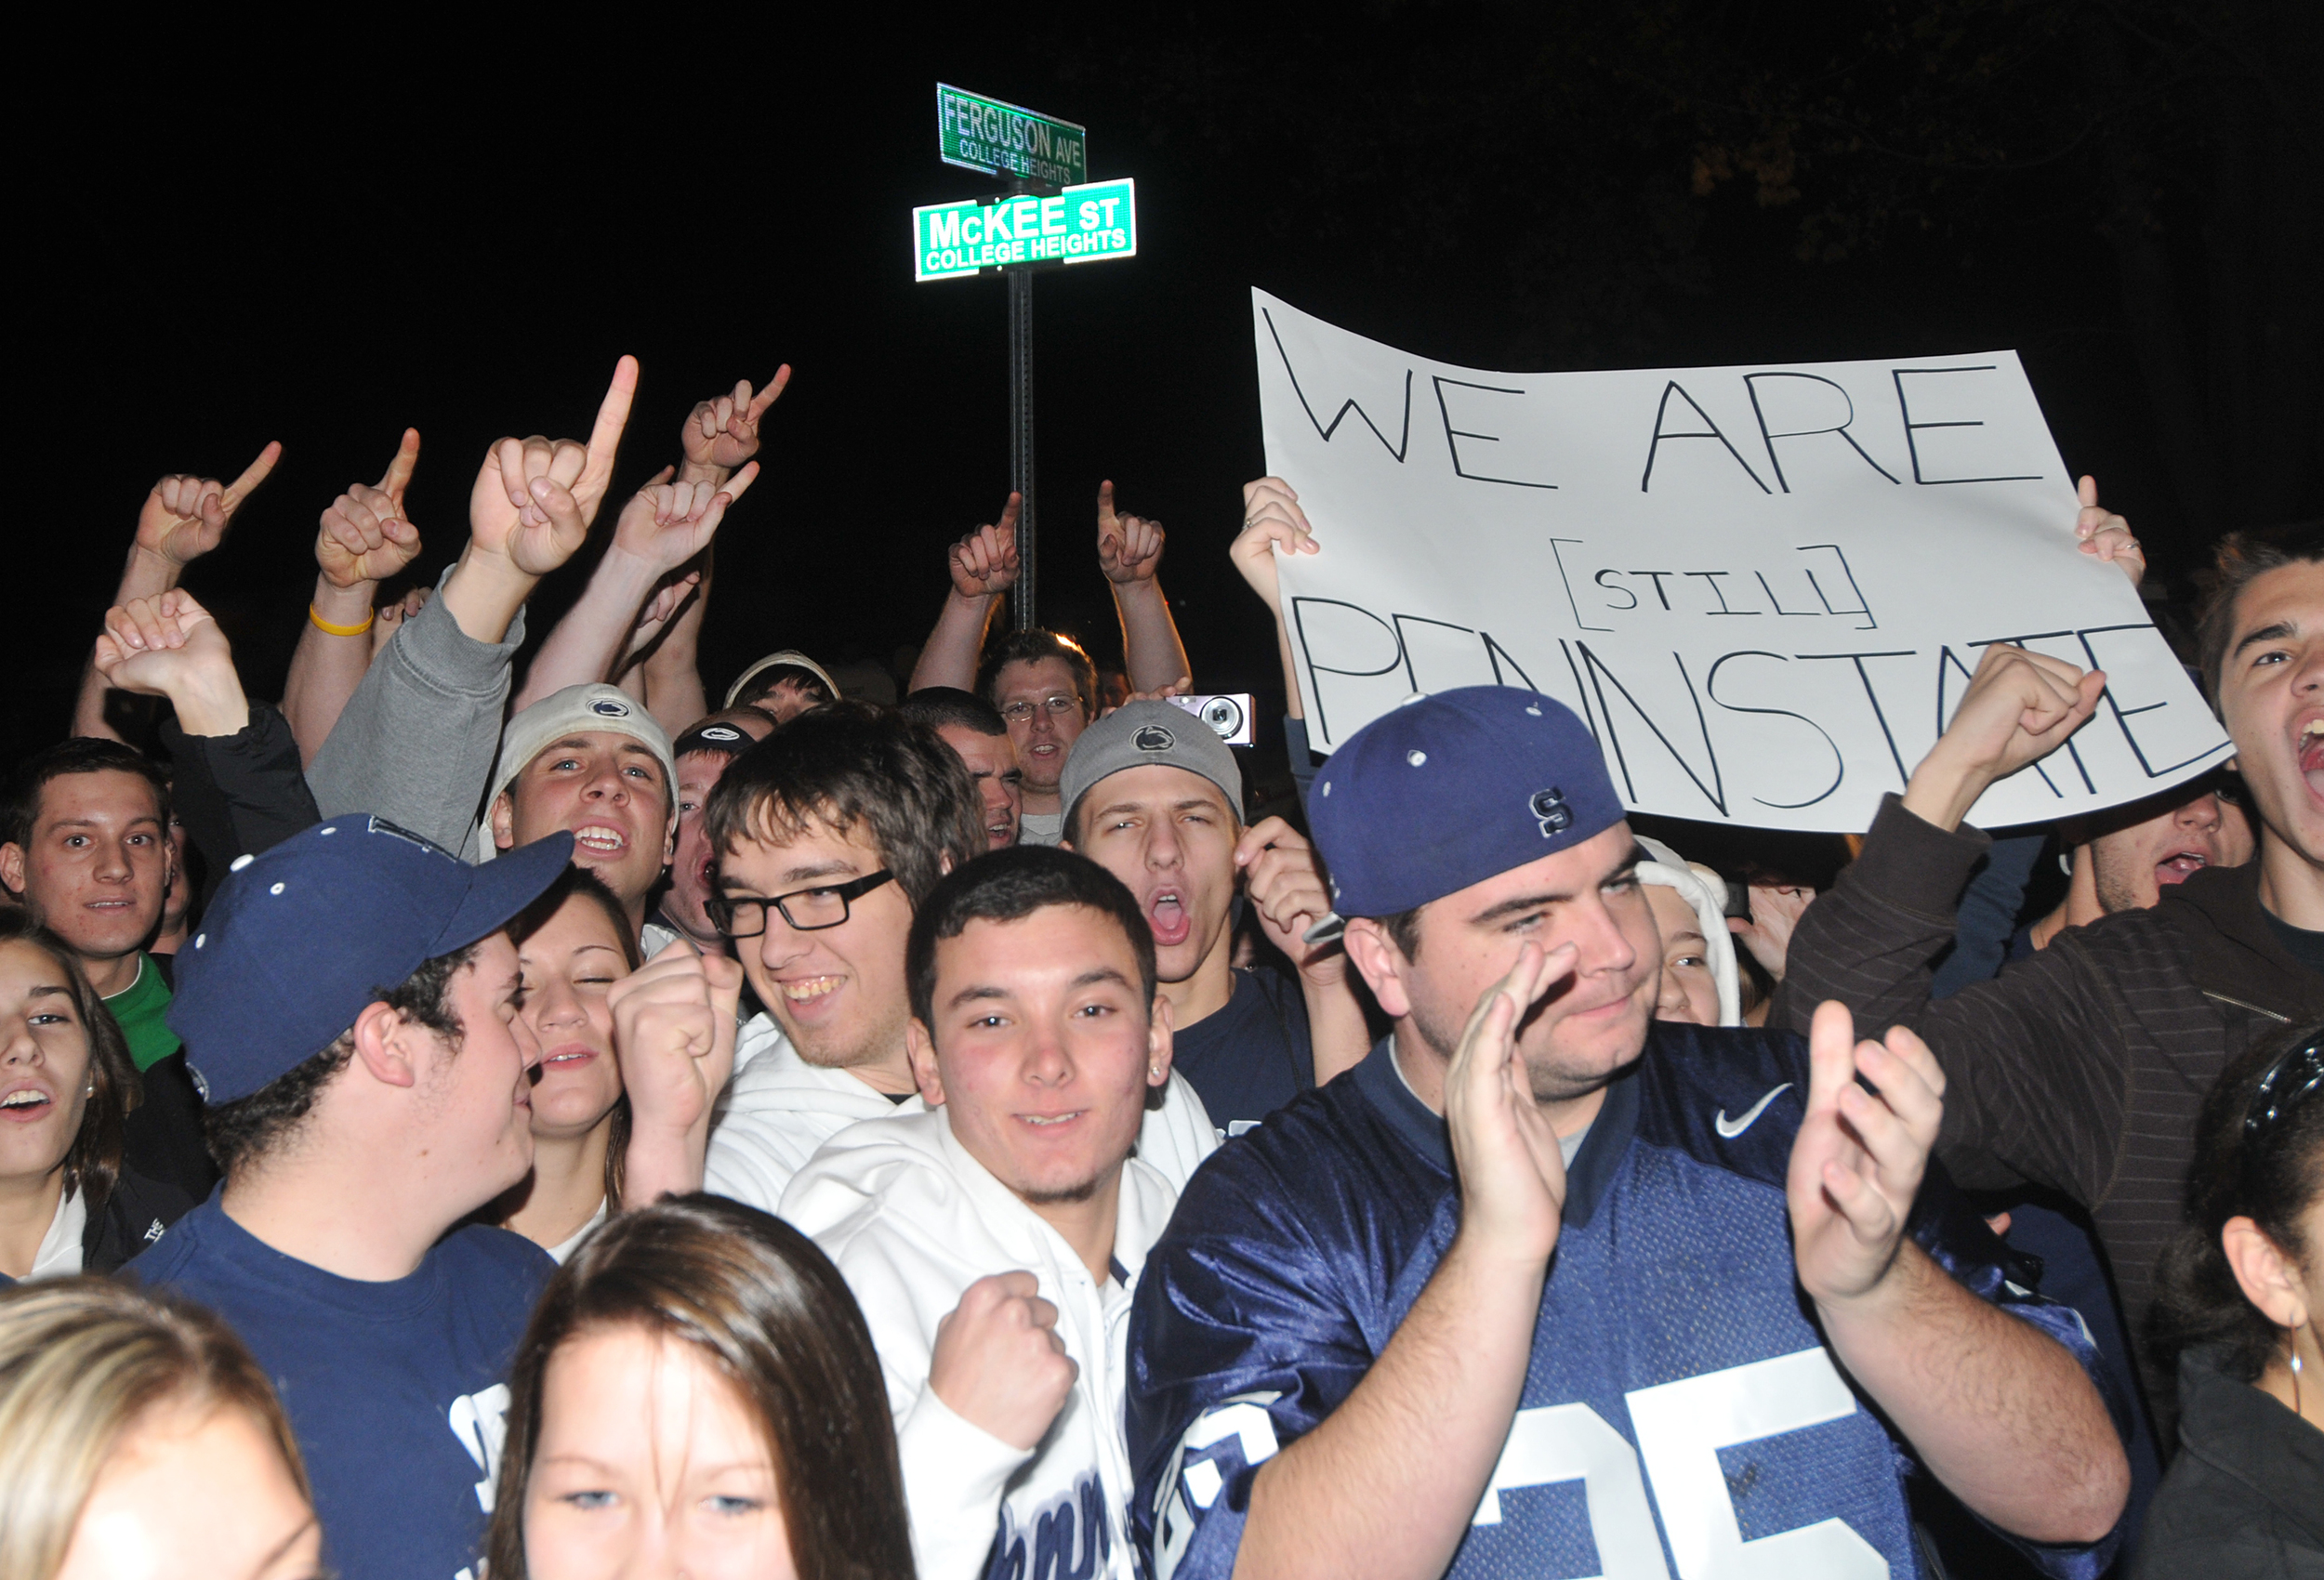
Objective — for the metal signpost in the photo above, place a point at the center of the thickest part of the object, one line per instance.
(1048, 215)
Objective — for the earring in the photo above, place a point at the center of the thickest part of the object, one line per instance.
(2292, 1342)
(1154, 1072)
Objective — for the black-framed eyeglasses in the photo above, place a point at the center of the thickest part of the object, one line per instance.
(2296, 1072)
(807, 910)
(1057, 707)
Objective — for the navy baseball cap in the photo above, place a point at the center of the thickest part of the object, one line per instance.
(1449, 790)
(302, 937)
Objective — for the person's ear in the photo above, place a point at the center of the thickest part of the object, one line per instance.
(1158, 1043)
(12, 867)
(504, 819)
(1381, 964)
(920, 1048)
(2268, 1278)
(390, 1049)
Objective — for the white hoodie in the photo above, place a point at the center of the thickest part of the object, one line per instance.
(778, 1108)
(911, 1220)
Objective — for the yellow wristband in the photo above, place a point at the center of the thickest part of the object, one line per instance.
(330, 630)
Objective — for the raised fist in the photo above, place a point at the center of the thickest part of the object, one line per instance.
(999, 1364)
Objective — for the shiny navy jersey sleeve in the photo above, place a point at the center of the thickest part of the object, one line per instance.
(1280, 1278)
(1680, 1416)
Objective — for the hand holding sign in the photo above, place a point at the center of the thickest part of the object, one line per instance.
(2020, 707)
(1272, 520)
(985, 562)
(2105, 534)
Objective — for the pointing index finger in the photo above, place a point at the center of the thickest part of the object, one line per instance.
(772, 393)
(400, 470)
(252, 475)
(612, 417)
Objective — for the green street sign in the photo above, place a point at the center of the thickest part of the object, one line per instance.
(1003, 139)
(1079, 225)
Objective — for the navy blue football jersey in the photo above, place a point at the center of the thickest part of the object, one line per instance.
(1680, 1417)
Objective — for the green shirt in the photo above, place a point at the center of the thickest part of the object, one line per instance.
(138, 1008)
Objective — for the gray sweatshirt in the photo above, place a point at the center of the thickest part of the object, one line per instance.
(417, 742)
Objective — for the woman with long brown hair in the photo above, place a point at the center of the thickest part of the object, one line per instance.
(66, 1204)
(697, 1393)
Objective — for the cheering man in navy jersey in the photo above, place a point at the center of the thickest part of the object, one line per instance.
(1559, 1295)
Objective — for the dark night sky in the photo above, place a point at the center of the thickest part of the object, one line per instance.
(246, 240)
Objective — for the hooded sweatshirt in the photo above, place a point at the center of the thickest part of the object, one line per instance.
(911, 1220)
(778, 1108)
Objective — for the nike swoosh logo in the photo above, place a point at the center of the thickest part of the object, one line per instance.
(1730, 1129)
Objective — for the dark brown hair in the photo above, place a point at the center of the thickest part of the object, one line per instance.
(585, 884)
(82, 754)
(2242, 559)
(853, 764)
(770, 1314)
(1008, 885)
(241, 1132)
(1031, 647)
(94, 1162)
(2273, 1179)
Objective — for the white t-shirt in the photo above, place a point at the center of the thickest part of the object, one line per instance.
(59, 1253)
(1040, 828)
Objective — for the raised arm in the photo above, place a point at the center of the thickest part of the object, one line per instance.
(1384, 1486)
(184, 519)
(237, 785)
(664, 525)
(364, 538)
(674, 1035)
(1285, 885)
(415, 742)
(1130, 552)
(1997, 1409)
(983, 566)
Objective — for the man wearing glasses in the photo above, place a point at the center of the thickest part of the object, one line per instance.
(827, 836)
(1045, 690)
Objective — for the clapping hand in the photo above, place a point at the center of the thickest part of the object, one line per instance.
(1512, 1173)
(1857, 1162)
(185, 517)
(365, 537)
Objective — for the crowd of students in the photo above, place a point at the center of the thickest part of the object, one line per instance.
(459, 1122)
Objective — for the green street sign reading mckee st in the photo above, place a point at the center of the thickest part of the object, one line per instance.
(1079, 225)
(1002, 139)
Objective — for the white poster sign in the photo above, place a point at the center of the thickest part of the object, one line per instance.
(1764, 587)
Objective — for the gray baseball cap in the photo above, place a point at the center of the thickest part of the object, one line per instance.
(1141, 734)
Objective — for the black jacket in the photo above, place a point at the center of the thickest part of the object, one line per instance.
(2245, 1497)
(130, 1218)
(240, 794)
(2081, 1069)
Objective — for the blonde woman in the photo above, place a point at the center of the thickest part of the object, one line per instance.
(139, 1438)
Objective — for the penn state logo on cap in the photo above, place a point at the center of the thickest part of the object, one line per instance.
(719, 732)
(1549, 806)
(1154, 738)
(609, 707)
